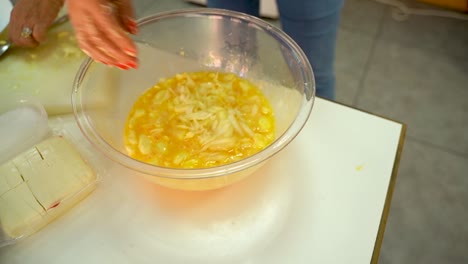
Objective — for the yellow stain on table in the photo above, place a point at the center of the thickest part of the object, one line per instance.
(360, 167)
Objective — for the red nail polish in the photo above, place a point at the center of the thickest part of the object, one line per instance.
(122, 66)
(131, 23)
(130, 52)
(132, 26)
(132, 65)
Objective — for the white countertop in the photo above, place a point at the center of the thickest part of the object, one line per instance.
(321, 200)
(5, 9)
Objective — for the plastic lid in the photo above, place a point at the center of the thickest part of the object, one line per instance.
(23, 123)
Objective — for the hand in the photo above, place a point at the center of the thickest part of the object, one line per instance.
(101, 28)
(36, 15)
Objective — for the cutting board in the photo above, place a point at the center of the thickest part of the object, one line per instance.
(46, 72)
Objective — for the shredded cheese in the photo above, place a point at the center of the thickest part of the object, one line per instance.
(198, 120)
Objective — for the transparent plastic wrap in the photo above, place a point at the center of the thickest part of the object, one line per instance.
(43, 171)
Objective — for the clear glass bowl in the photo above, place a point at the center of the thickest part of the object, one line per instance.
(193, 40)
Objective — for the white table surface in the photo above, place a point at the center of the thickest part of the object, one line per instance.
(324, 199)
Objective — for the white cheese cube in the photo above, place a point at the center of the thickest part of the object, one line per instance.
(59, 150)
(54, 170)
(19, 210)
(9, 177)
(40, 184)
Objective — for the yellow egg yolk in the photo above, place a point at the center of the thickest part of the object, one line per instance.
(199, 120)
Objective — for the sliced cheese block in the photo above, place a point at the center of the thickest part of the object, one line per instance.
(41, 184)
(56, 148)
(4, 187)
(54, 170)
(19, 209)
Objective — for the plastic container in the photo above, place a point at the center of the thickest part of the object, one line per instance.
(23, 123)
(194, 40)
(42, 173)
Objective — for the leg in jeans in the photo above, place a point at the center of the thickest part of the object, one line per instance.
(251, 7)
(242, 39)
(312, 24)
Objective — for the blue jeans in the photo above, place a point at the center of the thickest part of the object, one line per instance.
(313, 24)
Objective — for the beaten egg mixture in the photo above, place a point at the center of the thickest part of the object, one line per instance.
(199, 120)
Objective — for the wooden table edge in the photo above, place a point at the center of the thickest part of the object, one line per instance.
(391, 186)
(388, 198)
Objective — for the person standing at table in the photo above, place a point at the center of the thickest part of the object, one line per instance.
(313, 24)
(101, 29)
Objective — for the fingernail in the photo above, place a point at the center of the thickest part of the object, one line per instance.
(86, 52)
(132, 65)
(130, 52)
(132, 26)
(133, 30)
(131, 22)
(122, 66)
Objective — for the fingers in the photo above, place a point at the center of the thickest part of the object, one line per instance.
(35, 16)
(21, 39)
(87, 38)
(91, 48)
(127, 15)
(101, 48)
(39, 32)
(117, 36)
(18, 24)
(106, 43)
(101, 35)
